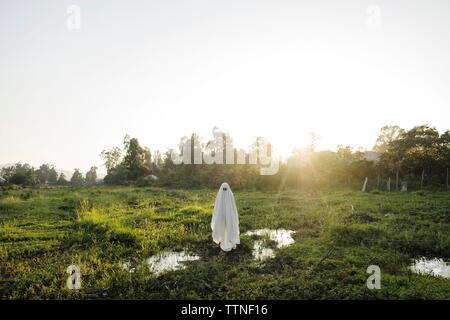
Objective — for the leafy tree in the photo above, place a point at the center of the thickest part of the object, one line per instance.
(18, 178)
(157, 163)
(111, 158)
(147, 161)
(417, 153)
(62, 180)
(30, 178)
(134, 160)
(77, 178)
(117, 175)
(387, 136)
(52, 175)
(420, 150)
(168, 162)
(7, 172)
(91, 175)
(43, 173)
(112, 161)
(19, 174)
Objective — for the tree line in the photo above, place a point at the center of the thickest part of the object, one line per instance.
(46, 174)
(420, 156)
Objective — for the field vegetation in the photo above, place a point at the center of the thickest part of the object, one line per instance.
(98, 228)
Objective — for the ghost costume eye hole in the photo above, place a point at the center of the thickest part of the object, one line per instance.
(224, 189)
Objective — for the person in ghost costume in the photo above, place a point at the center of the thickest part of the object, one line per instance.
(225, 219)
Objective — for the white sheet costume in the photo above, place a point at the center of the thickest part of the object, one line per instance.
(225, 219)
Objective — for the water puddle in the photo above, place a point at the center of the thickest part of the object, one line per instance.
(163, 262)
(282, 238)
(260, 253)
(171, 260)
(435, 267)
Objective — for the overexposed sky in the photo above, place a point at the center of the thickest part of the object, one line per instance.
(160, 70)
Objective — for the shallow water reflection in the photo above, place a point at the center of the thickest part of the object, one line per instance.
(435, 267)
(163, 262)
(261, 253)
(170, 260)
(282, 238)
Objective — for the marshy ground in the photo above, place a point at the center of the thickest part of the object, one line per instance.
(107, 231)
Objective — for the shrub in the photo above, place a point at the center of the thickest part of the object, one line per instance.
(143, 182)
(83, 206)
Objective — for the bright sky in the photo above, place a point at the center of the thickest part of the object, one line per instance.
(159, 70)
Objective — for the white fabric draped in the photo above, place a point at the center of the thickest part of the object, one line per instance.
(225, 219)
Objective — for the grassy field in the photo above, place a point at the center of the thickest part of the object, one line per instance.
(43, 231)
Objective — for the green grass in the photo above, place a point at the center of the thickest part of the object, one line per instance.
(43, 231)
